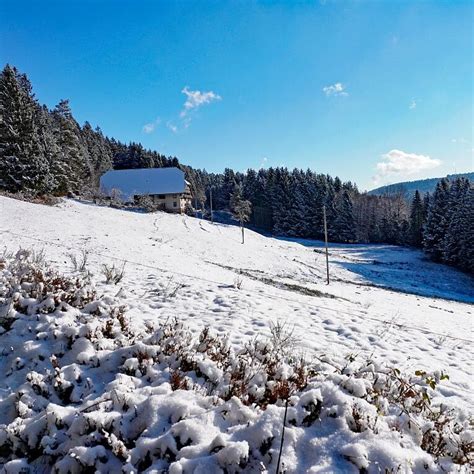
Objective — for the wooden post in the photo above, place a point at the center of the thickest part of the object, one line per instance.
(326, 244)
(210, 202)
(242, 227)
(282, 436)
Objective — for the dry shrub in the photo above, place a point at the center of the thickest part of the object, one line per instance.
(240, 370)
(113, 274)
(45, 199)
(177, 381)
(79, 264)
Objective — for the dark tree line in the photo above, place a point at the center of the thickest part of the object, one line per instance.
(291, 203)
(46, 151)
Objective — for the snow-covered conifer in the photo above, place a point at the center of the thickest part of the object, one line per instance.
(23, 164)
(72, 166)
(417, 218)
(437, 221)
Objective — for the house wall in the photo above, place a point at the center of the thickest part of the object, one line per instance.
(174, 203)
(171, 202)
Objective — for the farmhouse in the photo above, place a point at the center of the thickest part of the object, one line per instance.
(165, 188)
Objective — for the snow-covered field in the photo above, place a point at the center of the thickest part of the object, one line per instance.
(384, 303)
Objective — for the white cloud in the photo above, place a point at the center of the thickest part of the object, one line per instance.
(172, 127)
(263, 162)
(336, 89)
(412, 104)
(150, 127)
(196, 99)
(401, 164)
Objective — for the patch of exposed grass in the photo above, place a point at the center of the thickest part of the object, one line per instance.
(295, 288)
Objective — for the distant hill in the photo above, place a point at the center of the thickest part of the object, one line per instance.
(409, 187)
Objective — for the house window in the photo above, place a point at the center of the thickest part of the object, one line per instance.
(175, 204)
(161, 196)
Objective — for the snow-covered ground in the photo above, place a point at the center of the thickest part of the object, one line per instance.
(385, 303)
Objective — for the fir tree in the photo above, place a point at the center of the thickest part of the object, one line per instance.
(436, 223)
(426, 204)
(417, 219)
(343, 223)
(49, 147)
(466, 232)
(329, 201)
(281, 199)
(99, 152)
(301, 207)
(72, 167)
(228, 185)
(23, 165)
(456, 225)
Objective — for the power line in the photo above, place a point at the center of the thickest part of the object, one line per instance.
(259, 293)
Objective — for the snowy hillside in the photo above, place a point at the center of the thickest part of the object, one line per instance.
(386, 308)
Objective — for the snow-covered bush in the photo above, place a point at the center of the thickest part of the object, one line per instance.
(87, 389)
(28, 286)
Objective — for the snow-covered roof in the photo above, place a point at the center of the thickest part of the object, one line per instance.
(138, 182)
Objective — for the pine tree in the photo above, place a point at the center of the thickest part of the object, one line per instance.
(99, 152)
(72, 166)
(343, 223)
(330, 201)
(49, 147)
(319, 195)
(240, 207)
(466, 232)
(417, 220)
(458, 208)
(426, 204)
(281, 200)
(228, 185)
(436, 226)
(301, 207)
(23, 165)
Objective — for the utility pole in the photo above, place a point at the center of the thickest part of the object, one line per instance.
(326, 243)
(210, 202)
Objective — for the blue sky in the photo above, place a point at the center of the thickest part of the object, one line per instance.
(361, 90)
